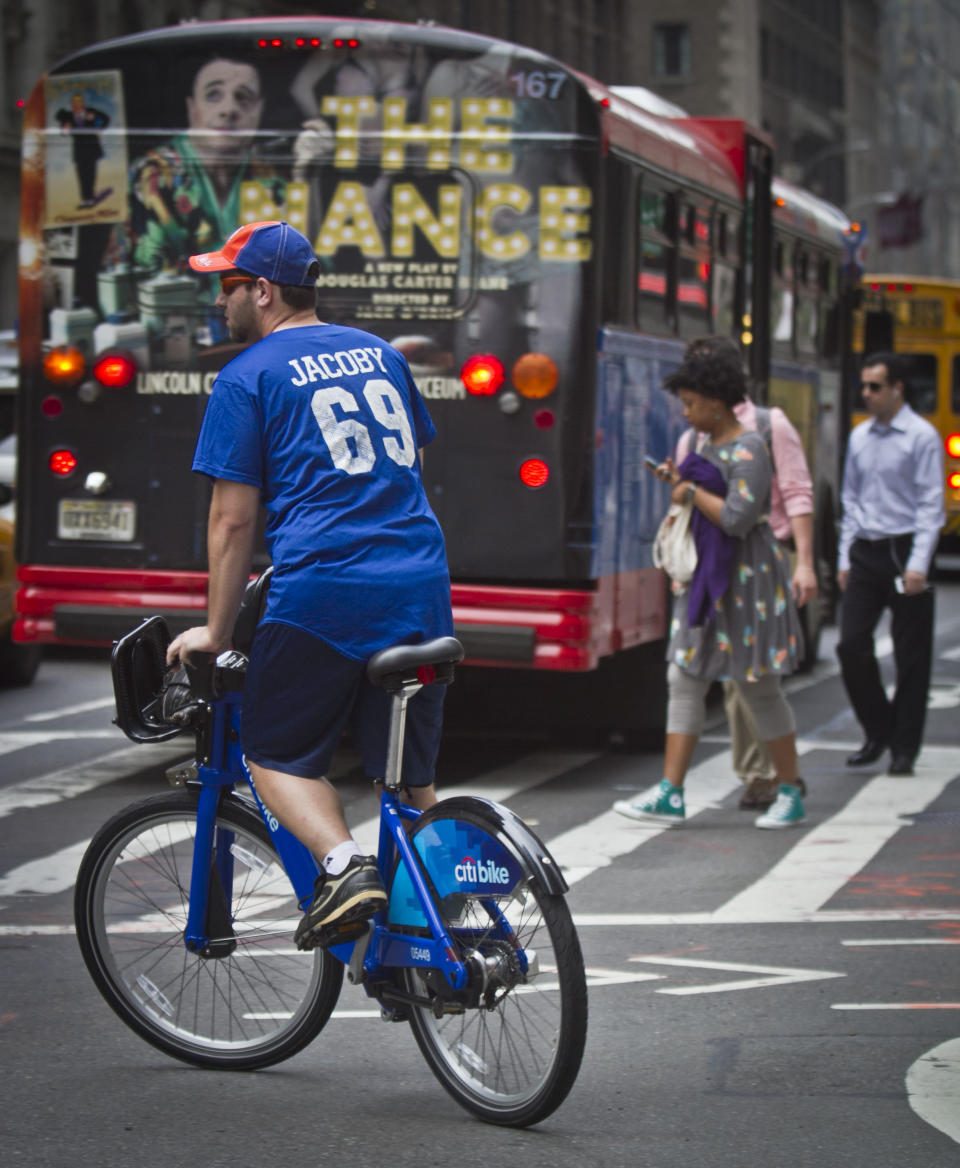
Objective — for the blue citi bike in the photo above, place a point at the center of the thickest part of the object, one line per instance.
(186, 904)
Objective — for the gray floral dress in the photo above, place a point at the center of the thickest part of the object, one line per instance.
(754, 630)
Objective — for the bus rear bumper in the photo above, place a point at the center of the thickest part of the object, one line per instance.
(89, 606)
(557, 629)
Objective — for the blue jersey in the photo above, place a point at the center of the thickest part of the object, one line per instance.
(326, 421)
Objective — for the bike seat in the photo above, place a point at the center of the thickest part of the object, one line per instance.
(431, 661)
(251, 610)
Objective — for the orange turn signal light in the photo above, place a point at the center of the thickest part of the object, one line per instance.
(535, 375)
(64, 366)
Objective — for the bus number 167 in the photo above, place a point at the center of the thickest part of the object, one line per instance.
(538, 84)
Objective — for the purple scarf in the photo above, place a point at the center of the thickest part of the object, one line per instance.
(714, 547)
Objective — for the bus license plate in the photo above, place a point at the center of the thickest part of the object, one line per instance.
(103, 519)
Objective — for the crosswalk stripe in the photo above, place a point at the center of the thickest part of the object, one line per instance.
(832, 852)
(605, 838)
(499, 785)
(820, 863)
(86, 776)
(66, 711)
(56, 872)
(53, 873)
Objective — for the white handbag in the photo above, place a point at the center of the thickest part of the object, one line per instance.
(674, 549)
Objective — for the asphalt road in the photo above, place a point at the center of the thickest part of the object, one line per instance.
(755, 997)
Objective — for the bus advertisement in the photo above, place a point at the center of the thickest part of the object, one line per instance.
(538, 246)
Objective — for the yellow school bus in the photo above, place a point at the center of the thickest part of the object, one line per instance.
(919, 317)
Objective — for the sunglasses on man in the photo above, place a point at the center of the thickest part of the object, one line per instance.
(872, 386)
(232, 282)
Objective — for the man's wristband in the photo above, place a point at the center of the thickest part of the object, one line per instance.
(690, 492)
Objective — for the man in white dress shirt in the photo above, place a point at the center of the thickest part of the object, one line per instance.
(892, 515)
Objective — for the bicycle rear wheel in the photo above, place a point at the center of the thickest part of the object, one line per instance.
(512, 1059)
(258, 1000)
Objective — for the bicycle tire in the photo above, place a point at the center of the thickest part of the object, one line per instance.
(256, 1005)
(512, 1064)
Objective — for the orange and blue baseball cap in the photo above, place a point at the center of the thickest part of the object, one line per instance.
(272, 249)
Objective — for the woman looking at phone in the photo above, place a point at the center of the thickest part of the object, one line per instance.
(736, 620)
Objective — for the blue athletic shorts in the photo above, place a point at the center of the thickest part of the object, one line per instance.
(299, 695)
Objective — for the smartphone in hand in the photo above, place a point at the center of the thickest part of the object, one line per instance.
(651, 462)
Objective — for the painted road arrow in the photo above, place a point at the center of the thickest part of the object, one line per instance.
(771, 975)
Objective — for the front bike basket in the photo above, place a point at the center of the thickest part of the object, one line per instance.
(138, 664)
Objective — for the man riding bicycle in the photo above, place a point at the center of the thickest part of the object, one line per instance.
(322, 423)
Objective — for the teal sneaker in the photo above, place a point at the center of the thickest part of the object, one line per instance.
(787, 811)
(664, 802)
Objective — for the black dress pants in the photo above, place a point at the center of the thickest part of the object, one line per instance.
(870, 589)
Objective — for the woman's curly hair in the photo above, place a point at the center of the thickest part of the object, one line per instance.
(713, 367)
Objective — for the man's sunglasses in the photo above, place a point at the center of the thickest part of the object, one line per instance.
(873, 386)
(230, 284)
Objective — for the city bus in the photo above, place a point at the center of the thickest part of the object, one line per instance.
(539, 246)
(919, 317)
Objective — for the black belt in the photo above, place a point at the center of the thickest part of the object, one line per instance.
(884, 538)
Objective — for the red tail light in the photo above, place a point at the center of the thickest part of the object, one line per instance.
(534, 473)
(953, 445)
(115, 370)
(482, 375)
(954, 481)
(63, 462)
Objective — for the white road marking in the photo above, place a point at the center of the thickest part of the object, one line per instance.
(67, 711)
(881, 941)
(85, 776)
(608, 836)
(773, 916)
(11, 740)
(772, 975)
(943, 696)
(820, 864)
(53, 873)
(499, 785)
(595, 978)
(829, 854)
(933, 1088)
(37, 930)
(895, 1006)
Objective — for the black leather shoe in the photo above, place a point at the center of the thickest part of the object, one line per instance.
(868, 753)
(900, 764)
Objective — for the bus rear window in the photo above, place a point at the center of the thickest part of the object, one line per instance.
(922, 380)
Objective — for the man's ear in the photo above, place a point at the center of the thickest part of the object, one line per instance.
(264, 292)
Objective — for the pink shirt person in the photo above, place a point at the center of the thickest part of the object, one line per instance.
(791, 488)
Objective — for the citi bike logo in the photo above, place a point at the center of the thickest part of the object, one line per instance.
(471, 871)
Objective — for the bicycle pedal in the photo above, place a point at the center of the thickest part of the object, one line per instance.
(332, 935)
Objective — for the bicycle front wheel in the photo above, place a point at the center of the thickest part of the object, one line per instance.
(512, 1058)
(254, 999)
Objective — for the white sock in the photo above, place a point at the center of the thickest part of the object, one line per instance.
(339, 857)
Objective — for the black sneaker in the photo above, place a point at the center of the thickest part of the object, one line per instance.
(342, 904)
